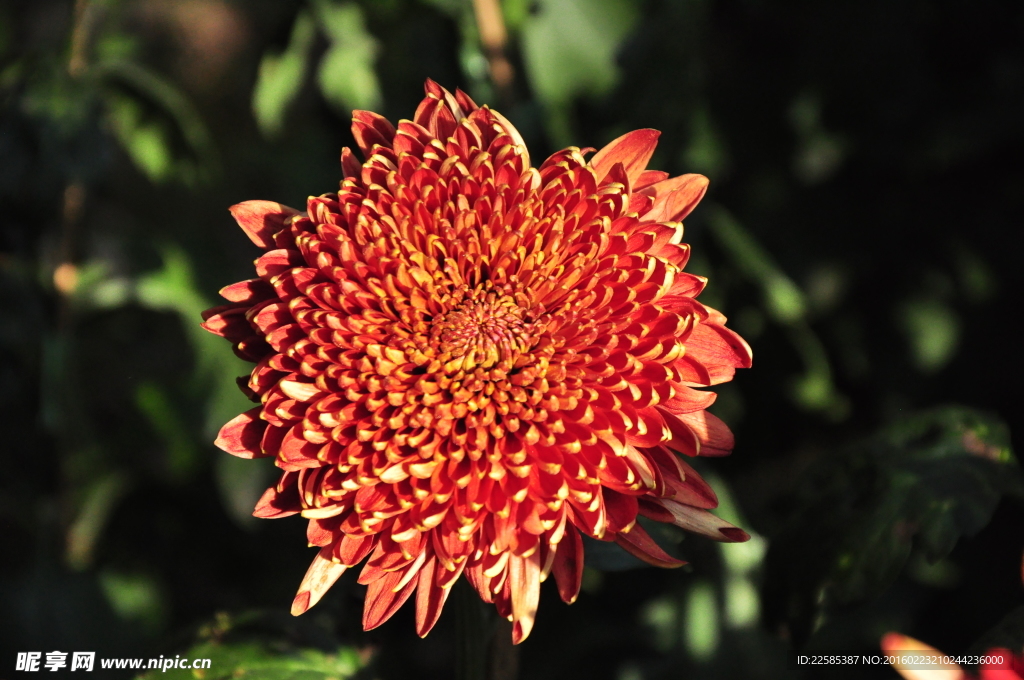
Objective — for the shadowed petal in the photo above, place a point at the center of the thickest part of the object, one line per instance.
(320, 576)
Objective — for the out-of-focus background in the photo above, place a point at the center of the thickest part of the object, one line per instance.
(863, 230)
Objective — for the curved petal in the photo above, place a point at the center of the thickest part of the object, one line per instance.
(260, 220)
(633, 149)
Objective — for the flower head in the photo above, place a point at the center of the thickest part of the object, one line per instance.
(464, 362)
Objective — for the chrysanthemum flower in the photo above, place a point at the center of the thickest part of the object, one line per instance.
(463, 362)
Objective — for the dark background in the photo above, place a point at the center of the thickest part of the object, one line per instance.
(862, 231)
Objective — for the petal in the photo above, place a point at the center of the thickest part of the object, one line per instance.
(371, 128)
(568, 567)
(260, 220)
(249, 292)
(633, 149)
(320, 576)
(715, 437)
(430, 598)
(280, 501)
(242, 435)
(383, 600)
(639, 543)
(717, 346)
(524, 579)
(701, 522)
(675, 198)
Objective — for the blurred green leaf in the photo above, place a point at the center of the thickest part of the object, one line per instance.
(933, 331)
(173, 288)
(101, 498)
(241, 482)
(346, 76)
(783, 298)
(148, 114)
(146, 142)
(281, 77)
(134, 597)
(701, 615)
(254, 660)
(253, 645)
(920, 485)
(163, 417)
(569, 48)
(786, 304)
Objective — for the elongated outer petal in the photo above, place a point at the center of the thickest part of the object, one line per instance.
(675, 198)
(716, 346)
(241, 436)
(320, 576)
(701, 522)
(384, 597)
(260, 220)
(633, 149)
(568, 567)
(715, 436)
(430, 598)
(639, 543)
(524, 575)
(895, 644)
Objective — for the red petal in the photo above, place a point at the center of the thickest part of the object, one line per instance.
(715, 437)
(382, 601)
(242, 435)
(675, 198)
(649, 177)
(430, 598)
(715, 345)
(638, 543)
(702, 522)
(621, 509)
(692, 489)
(260, 220)
(280, 501)
(251, 291)
(371, 128)
(633, 150)
(568, 567)
(350, 165)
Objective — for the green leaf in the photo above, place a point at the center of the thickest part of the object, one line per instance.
(569, 49)
(346, 76)
(256, 660)
(155, 122)
(281, 77)
(253, 645)
(173, 288)
(919, 485)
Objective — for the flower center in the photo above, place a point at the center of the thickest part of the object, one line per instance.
(484, 329)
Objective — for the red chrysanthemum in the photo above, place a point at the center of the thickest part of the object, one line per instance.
(465, 362)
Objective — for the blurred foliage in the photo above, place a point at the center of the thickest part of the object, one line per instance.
(917, 486)
(252, 646)
(862, 232)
